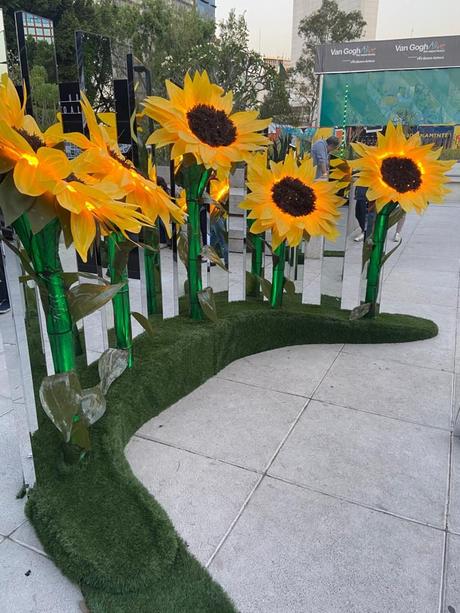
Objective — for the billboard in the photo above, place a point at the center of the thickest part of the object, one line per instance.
(398, 54)
(411, 97)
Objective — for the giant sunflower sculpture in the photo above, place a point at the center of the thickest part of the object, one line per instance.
(402, 170)
(198, 120)
(287, 200)
(103, 160)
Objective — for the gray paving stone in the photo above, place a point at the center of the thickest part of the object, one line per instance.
(298, 551)
(454, 508)
(389, 388)
(437, 352)
(452, 593)
(26, 535)
(385, 463)
(6, 404)
(228, 421)
(43, 590)
(201, 496)
(11, 480)
(294, 370)
(435, 294)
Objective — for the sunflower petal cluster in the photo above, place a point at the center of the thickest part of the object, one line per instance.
(102, 159)
(401, 169)
(198, 119)
(41, 170)
(286, 199)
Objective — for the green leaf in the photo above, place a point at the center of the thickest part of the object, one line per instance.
(111, 365)
(22, 255)
(207, 302)
(144, 322)
(122, 252)
(360, 311)
(86, 298)
(80, 435)
(41, 213)
(252, 283)
(93, 404)
(367, 251)
(182, 248)
(209, 252)
(60, 396)
(266, 287)
(289, 286)
(395, 216)
(390, 253)
(12, 202)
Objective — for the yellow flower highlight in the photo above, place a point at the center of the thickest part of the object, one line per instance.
(401, 169)
(103, 160)
(92, 205)
(287, 200)
(198, 120)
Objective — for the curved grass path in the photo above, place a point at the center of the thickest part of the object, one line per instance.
(97, 522)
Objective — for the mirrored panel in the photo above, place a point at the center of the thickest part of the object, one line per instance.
(3, 49)
(94, 63)
(37, 55)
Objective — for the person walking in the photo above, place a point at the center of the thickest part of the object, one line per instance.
(320, 153)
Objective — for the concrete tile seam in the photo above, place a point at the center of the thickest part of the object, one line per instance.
(407, 421)
(261, 387)
(270, 462)
(354, 502)
(152, 439)
(451, 371)
(30, 547)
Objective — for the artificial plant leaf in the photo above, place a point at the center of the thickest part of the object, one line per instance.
(186, 286)
(41, 213)
(209, 252)
(395, 216)
(144, 322)
(12, 202)
(289, 286)
(122, 251)
(93, 404)
(64, 219)
(80, 435)
(208, 304)
(70, 278)
(360, 311)
(390, 253)
(367, 251)
(252, 283)
(111, 365)
(86, 298)
(60, 397)
(22, 255)
(182, 248)
(266, 287)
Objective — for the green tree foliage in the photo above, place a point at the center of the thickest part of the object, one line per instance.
(328, 24)
(277, 104)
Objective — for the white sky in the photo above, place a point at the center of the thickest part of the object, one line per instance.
(270, 21)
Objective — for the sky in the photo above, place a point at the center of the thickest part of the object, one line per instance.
(270, 21)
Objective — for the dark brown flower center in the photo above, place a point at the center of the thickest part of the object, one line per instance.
(34, 141)
(402, 174)
(294, 197)
(211, 126)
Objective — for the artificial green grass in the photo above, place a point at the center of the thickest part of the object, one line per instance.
(97, 522)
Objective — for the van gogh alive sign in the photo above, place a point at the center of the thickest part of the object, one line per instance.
(401, 54)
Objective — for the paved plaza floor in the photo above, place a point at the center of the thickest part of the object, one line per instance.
(312, 479)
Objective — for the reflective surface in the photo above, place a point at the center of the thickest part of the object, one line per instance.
(37, 54)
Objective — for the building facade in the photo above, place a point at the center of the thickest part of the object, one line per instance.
(304, 8)
(207, 8)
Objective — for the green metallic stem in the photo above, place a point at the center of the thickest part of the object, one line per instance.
(279, 261)
(120, 302)
(257, 257)
(152, 265)
(195, 179)
(375, 263)
(43, 250)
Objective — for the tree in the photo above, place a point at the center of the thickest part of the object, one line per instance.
(277, 103)
(238, 68)
(326, 25)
